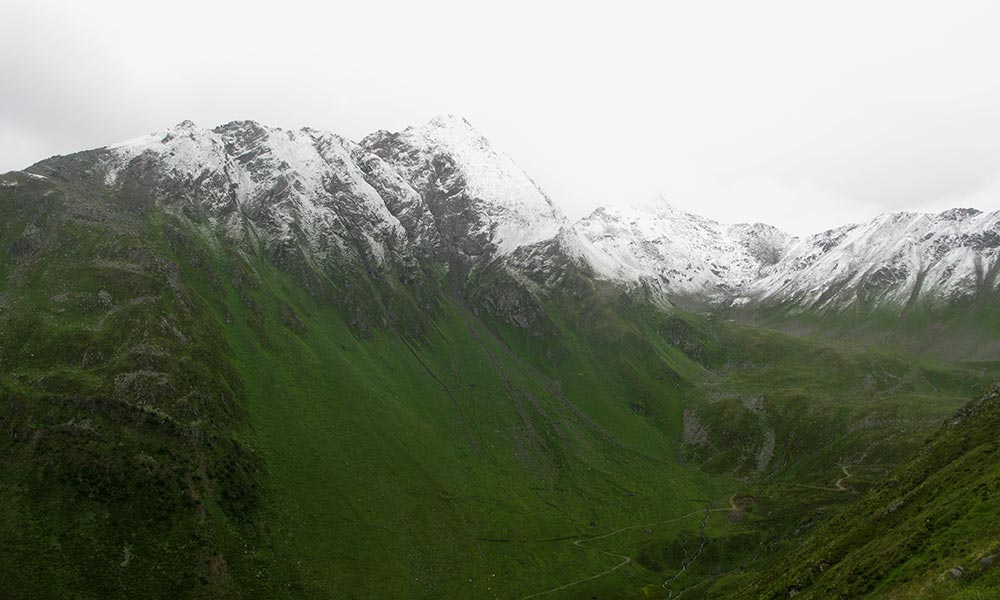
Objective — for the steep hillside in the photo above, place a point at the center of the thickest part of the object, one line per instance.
(183, 417)
(928, 530)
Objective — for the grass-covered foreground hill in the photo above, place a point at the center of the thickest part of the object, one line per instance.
(205, 398)
(927, 530)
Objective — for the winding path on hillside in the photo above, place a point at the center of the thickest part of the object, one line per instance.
(625, 558)
(840, 482)
(840, 486)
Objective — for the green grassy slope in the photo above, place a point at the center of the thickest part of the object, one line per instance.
(123, 471)
(394, 461)
(184, 417)
(822, 421)
(339, 461)
(934, 513)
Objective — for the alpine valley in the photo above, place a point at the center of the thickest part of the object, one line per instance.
(246, 362)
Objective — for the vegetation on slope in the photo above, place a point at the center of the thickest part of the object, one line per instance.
(927, 530)
(184, 416)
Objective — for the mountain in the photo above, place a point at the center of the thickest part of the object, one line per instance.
(252, 362)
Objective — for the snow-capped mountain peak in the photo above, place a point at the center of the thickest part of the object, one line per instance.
(441, 186)
(461, 173)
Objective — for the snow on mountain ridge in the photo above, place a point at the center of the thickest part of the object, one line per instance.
(441, 187)
(682, 253)
(191, 150)
(302, 184)
(893, 259)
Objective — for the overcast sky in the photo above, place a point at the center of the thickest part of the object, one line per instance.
(802, 114)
